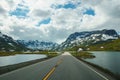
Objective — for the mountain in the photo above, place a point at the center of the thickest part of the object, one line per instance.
(87, 38)
(35, 44)
(7, 43)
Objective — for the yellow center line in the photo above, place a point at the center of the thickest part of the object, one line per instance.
(52, 70)
(48, 75)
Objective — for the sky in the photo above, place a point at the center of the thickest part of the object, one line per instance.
(55, 20)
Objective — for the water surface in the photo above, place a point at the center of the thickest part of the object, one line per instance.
(108, 60)
(19, 58)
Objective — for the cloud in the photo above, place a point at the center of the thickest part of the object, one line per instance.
(41, 13)
(2, 11)
(19, 32)
(65, 6)
(56, 19)
(111, 8)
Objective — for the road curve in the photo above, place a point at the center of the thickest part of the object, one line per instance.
(63, 67)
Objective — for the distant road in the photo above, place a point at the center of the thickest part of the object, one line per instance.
(63, 67)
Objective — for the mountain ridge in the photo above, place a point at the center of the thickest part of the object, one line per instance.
(7, 43)
(36, 44)
(87, 38)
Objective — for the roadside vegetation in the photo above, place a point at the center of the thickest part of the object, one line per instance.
(113, 45)
(48, 53)
(8, 53)
(85, 55)
(82, 54)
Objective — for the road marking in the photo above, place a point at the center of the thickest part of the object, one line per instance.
(48, 75)
(52, 70)
(92, 69)
(98, 73)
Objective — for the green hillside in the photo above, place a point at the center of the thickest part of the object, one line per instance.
(113, 45)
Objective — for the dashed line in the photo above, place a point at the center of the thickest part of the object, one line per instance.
(48, 75)
(52, 70)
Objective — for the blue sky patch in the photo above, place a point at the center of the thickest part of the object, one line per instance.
(20, 12)
(89, 12)
(65, 6)
(45, 21)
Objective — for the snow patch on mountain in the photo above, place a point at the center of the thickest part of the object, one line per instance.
(7, 43)
(88, 37)
(35, 44)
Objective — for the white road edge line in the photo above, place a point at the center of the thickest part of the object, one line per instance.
(97, 72)
(92, 69)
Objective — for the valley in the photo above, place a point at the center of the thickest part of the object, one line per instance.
(79, 44)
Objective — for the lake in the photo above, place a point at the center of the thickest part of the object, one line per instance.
(107, 60)
(19, 58)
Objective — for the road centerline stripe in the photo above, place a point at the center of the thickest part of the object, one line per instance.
(48, 75)
(52, 70)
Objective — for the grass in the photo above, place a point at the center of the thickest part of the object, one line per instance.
(113, 45)
(83, 54)
(8, 53)
(49, 54)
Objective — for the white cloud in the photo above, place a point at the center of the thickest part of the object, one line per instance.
(40, 14)
(2, 11)
(63, 21)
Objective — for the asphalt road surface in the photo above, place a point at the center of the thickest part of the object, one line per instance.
(63, 67)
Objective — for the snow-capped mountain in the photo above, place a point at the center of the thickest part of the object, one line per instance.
(7, 43)
(88, 37)
(35, 44)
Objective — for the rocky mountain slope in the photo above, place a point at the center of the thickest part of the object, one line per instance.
(84, 39)
(35, 44)
(7, 43)
(87, 38)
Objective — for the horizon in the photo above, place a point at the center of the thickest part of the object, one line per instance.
(66, 37)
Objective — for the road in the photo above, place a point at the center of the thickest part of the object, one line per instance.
(63, 67)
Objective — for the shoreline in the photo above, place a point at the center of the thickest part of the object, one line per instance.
(116, 76)
(9, 68)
